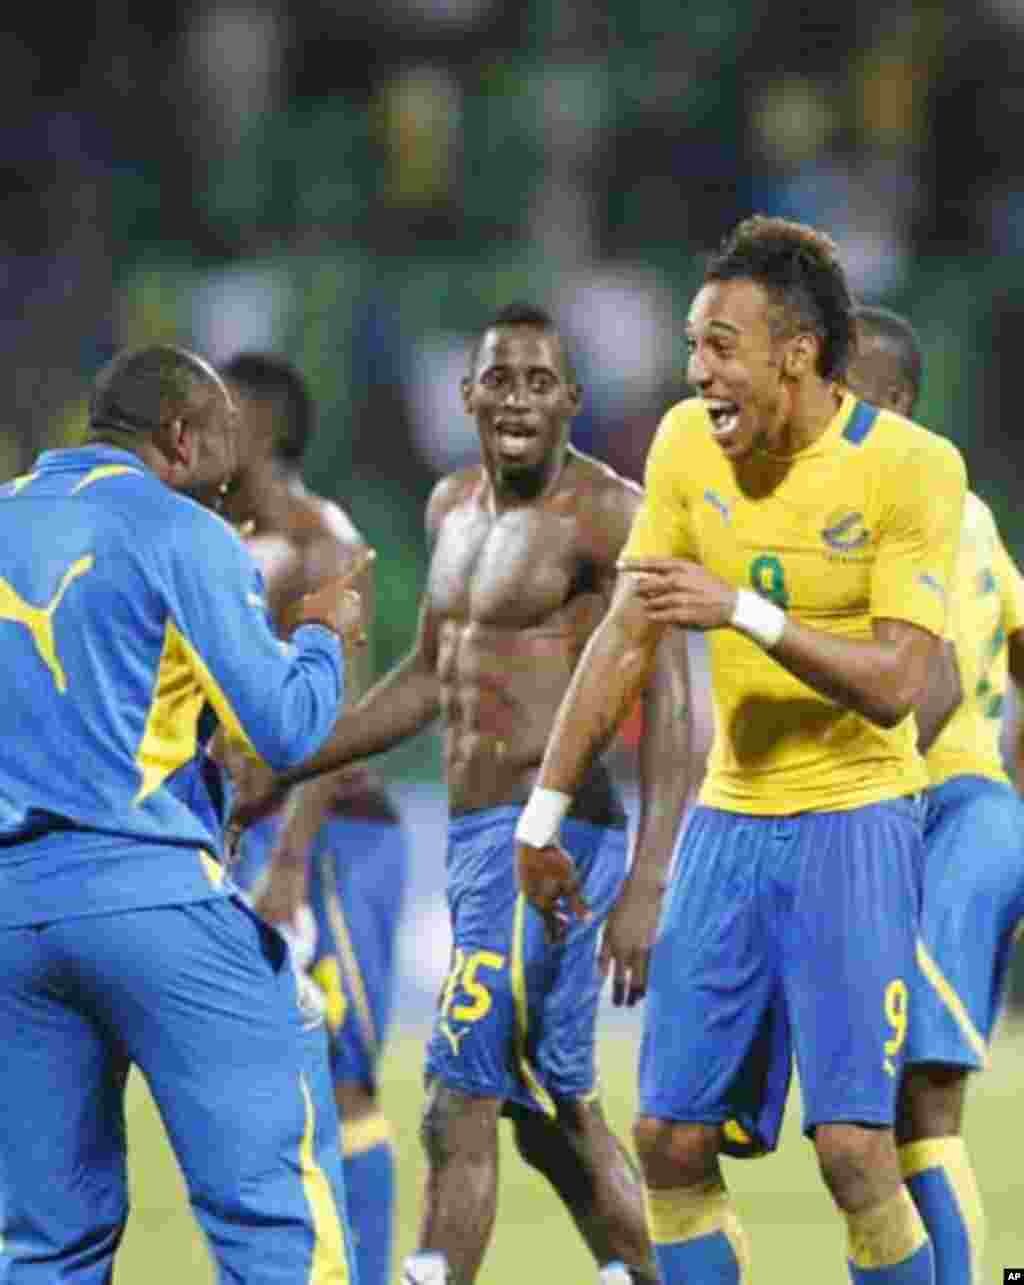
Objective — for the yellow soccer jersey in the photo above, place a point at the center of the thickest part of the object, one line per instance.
(863, 525)
(987, 606)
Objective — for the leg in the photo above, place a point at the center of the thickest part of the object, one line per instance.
(729, 1055)
(63, 1190)
(359, 872)
(206, 999)
(369, 1166)
(697, 1236)
(460, 1137)
(852, 877)
(595, 1179)
(972, 887)
(938, 1172)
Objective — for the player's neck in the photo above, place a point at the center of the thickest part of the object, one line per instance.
(519, 489)
(264, 493)
(812, 408)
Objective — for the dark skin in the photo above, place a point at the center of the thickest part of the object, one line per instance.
(301, 542)
(745, 358)
(524, 548)
(932, 1094)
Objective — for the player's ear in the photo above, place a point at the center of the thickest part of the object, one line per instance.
(801, 355)
(466, 389)
(575, 394)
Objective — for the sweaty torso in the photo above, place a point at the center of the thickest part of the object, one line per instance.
(513, 597)
(311, 540)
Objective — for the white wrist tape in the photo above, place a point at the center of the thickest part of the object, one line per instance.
(758, 618)
(538, 825)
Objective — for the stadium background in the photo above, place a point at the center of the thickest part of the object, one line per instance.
(359, 183)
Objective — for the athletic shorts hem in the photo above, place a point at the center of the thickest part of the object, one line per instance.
(850, 1115)
(962, 1061)
(518, 1097)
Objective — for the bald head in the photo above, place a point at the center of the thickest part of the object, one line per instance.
(145, 388)
(887, 366)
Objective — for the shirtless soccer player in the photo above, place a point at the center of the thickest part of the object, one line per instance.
(973, 896)
(337, 846)
(813, 536)
(524, 547)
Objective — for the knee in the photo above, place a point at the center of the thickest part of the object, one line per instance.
(858, 1163)
(931, 1103)
(675, 1154)
(455, 1125)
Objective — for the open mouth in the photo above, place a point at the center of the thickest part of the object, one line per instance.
(724, 416)
(514, 440)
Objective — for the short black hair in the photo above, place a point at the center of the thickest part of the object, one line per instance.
(269, 377)
(799, 268)
(522, 313)
(900, 336)
(141, 389)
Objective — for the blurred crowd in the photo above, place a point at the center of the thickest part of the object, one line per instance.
(360, 184)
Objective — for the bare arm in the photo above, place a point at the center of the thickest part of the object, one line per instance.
(666, 779)
(940, 698)
(612, 672)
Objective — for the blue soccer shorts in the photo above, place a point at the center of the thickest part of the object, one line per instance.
(202, 999)
(972, 903)
(358, 875)
(516, 1015)
(783, 937)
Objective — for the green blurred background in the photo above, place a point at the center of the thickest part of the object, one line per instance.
(360, 183)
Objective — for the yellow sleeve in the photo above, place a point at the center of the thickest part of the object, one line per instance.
(1011, 586)
(662, 526)
(919, 536)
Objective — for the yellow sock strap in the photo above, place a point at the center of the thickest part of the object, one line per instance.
(885, 1234)
(677, 1214)
(950, 1155)
(364, 1134)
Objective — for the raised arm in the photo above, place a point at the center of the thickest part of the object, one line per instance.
(275, 700)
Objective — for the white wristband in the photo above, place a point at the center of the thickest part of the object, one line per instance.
(758, 618)
(538, 825)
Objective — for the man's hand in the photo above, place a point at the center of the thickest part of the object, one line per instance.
(335, 605)
(284, 893)
(550, 883)
(628, 937)
(677, 592)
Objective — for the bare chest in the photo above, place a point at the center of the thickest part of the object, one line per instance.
(518, 569)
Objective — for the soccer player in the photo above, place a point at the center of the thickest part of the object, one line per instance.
(813, 537)
(338, 848)
(973, 894)
(129, 617)
(524, 547)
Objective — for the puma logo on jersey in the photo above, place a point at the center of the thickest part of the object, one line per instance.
(454, 1038)
(39, 620)
(716, 502)
(931, 583)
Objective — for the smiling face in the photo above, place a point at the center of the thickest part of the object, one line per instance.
(523, 399)
(741, 366)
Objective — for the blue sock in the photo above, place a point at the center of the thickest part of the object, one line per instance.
(918, 1269)
(696, 1235)
(888, 1244)
(707, 1259)
(945, 1190)
(370, 1196)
